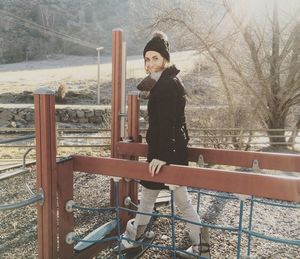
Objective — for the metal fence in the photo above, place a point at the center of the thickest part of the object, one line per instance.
(237, 138)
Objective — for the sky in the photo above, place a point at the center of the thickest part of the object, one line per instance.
(259, 7)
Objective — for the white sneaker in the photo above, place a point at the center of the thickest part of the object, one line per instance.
(125, 245)
(132, 232)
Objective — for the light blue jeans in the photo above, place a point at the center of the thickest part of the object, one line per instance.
(182, 201)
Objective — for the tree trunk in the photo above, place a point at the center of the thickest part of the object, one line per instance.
(276, 132)
(294, 134)
(277, 121)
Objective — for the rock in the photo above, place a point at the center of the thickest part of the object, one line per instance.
(17, 117)
(6, 115)
(29, 116)
(83, 120)
(93, 120)
(4, 124)
(164, 237)
(13, 124)
(72, 114)
(98, 113)
(80, 114)
(64, 116)
(89, 114)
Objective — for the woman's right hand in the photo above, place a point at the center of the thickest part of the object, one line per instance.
(155, 166)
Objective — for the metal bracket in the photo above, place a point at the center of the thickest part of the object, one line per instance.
(120, 114)
(242, 197)
(255, 166)
(69, 206)
(116, 179)
(127, 202)
(127, 140)
(70, 238)
(42, 197)
(200, 161)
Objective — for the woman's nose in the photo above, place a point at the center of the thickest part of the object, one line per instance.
(149, 65)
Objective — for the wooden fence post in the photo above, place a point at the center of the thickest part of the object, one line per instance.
(133, 132)
(66, 219)
(116, 99)
(125, 188)
(44, 110)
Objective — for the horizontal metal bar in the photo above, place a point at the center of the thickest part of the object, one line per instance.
(295, 242)
(16, 166)
(17, 139)
(60, 146)
(7, 175)
(103, 145)
(235, 135)
(19, 146)
(239, 129)
(34, 199)
(87, 130)
(60, 160)
(82, 137)
(237, 142)
(143, 129)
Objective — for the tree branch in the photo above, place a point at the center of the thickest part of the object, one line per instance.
(251, 44)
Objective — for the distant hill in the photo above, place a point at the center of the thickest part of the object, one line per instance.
(38, 29)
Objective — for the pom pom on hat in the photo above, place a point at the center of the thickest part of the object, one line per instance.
(158, 43)
(160, 34)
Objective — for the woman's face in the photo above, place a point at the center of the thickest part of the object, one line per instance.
(154, 62)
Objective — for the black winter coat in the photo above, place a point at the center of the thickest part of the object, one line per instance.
(167, 136)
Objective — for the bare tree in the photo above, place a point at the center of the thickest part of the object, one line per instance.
(280, 82)
(257, 59)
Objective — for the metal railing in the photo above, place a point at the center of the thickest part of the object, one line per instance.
(38, 197)
(239, 138)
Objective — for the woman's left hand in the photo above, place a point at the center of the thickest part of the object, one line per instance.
(155, 165)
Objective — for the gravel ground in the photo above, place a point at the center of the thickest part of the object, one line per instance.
(18, 228)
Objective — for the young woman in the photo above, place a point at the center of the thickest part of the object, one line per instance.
(167, 138)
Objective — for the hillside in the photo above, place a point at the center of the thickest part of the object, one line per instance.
(38, 29)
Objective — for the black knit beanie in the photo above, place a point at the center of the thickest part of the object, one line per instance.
(160, 44)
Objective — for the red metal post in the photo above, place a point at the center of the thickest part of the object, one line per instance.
(133, 132)
(65, 194)
(133, 117)
(116, 98)
(44, 104)
(125, 188)
(116, 89)
(129, 187)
